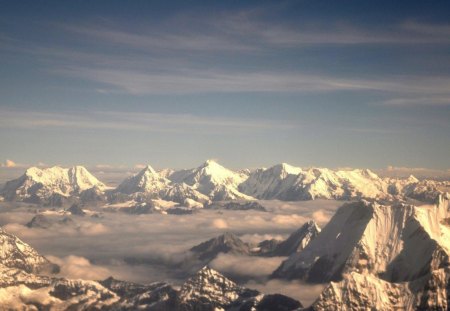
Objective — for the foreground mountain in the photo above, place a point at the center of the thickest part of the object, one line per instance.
(52, 186)
(21, 288)
(209, 290)
(154, 296)
(14, 253)
(379, 257)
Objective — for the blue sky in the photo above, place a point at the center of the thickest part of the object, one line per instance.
(311, 83)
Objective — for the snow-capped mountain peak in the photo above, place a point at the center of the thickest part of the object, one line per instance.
(213, 180)
(43, 185)
(210, 286)
(147, 180)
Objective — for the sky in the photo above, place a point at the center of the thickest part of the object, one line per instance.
(248, 83)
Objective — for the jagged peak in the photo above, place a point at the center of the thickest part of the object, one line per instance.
(79, 168)
(312, 225)
(228, 237)
(148, 169)
(210, 163)
(206, 273)
(412, 179)
(284, 168)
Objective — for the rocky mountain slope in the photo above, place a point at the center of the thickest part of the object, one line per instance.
(209, 290)
(22, 288)
(295, 243)
(379, 257)
(14, 253)
(225, 243)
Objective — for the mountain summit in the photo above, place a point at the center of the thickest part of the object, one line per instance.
(51, 185)
(213, 180)
(147, 180)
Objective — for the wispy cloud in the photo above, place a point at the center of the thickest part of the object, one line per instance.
(119, 120)
(190, 80)
(419, 101)
(253, 30)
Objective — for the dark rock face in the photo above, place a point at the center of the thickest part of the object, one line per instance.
(268, 247)
(226, 243)
(76, 209)
(274, 302)
(295, 243)
(179, 211)
(154, 296)
(92, 195)
(39, 221)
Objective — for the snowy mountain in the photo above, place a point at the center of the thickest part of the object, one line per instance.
(150, 184)
(288, 183)
(378, 257)
(185, 195)
(285, 182)
(51, 185)
(210, 290)
(147, 180)
(213, 180)
(14, 253)
(295, 243)
(133, 296)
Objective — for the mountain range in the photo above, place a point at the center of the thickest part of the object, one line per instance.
(23, 288)
(211, 182)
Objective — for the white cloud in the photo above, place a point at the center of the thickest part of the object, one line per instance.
(245, 267)
(219, 223)
(305, 293)
(418, 101)
(120, 120)
(76, 267)
(10, 163)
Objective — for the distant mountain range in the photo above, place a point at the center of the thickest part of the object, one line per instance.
(211, 182)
